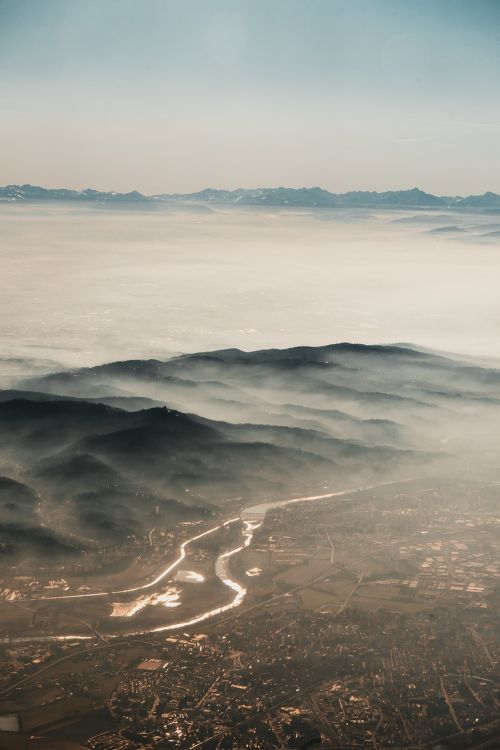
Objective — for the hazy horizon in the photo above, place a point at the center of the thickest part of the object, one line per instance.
(174, 96)
(275, 186)
(270, 542)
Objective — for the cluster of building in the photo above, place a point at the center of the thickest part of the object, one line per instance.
(362, 669)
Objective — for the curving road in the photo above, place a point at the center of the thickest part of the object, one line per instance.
(150, 584)
(255, 513)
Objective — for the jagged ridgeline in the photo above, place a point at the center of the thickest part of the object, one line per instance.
(109, 451)
(280, 196)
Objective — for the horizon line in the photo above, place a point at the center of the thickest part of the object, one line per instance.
(240, 190)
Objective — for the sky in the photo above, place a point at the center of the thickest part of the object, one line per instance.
(177, 95)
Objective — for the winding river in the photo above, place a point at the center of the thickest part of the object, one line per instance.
(252, 518)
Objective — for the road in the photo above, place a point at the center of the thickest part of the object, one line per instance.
(482, 645)
(164, 573)
(48, 666)
(451, 709)
(221, 568)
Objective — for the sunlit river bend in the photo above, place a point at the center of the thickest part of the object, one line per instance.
(252, 518)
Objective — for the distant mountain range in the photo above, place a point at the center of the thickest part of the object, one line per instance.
(314, 197)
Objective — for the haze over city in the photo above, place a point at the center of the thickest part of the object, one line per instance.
(249, 375)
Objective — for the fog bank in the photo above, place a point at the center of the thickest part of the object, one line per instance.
(85, 285)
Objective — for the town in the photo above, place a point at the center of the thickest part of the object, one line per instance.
(370, 621)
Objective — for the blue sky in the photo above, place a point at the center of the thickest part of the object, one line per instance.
(167, 96)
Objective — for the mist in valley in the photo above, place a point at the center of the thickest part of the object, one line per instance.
(249, 375)
(112, 421)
